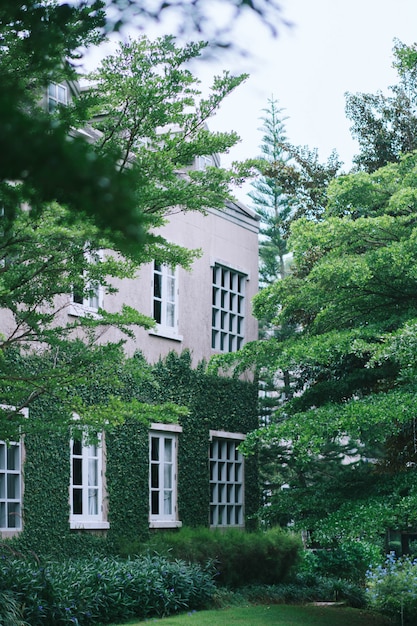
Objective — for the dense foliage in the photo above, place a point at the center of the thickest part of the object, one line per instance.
(385, 126)
(136, 132)
(392, 589)
(168, 391)
(103, 590)
(339, 450)
(240, 558)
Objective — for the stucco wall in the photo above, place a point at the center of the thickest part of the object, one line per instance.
(229, 238)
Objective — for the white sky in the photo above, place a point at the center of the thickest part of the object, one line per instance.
(333, 47)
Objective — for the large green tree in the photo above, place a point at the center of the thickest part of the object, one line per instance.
(145, 109)
(345, 445)
(385, 126)
(269, 198)
(44, 41)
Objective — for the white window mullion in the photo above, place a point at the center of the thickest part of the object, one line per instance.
(163, 476)
(165, 298)
(86, 487)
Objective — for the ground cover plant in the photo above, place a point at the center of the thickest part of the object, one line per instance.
(101, 590)
(275, 615)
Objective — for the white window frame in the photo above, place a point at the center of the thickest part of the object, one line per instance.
(57, 94)
(163, 476)
(203, 161)
(228, 308)
(165, 297)
(10, 486)
(227, 480)
(86, 483)
(11, 480)
(92, 301)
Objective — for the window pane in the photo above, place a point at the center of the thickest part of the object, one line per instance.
(171, 288)
(157, 311)
(62, 94)
(168, 450)
(157, 285)
(13, 487)
(77, 472)
(155, 503)
(167, 502)
(170, 315)
(13, 516)
(93, 501)
(154, 476)
(77, 448)
(167, 476)
(155, 448)
(77, 501)
(13, 457)
(92, 472)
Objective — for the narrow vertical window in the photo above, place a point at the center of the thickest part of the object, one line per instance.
(10, 486)
(86, 488)
(228, 309)
(163, 478)
(226, 483)
(86, 294)
(164, 297)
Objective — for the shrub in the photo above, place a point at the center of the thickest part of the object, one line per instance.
(301, 590)
(349, 560)
(103, 590)
(10, 611)
(241, 558)
(392, 589)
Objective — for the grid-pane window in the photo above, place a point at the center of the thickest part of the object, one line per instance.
(57, 94)
(226, 483)
(163, 457)
(86, 481)
(165, 296)
(10, 486)
(228, 309)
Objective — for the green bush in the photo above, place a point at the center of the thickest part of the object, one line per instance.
(392, 589)
(104, 590)
(306, 589)
(10, 611)
(349, 560)
(241, 558)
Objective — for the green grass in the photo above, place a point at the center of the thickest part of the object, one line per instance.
(272, 615)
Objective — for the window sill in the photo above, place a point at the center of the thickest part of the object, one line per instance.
(165, 524)
(165, 333)
(79, 310)
(89, 525)
(8, 533)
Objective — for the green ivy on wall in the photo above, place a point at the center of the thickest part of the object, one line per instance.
(213, 402)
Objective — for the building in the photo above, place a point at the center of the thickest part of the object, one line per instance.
(203, 311)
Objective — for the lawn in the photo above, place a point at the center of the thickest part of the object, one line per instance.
(273, 615)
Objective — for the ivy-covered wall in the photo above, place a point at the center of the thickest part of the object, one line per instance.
(214, 402)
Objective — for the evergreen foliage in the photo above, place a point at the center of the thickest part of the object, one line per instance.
(208, 401)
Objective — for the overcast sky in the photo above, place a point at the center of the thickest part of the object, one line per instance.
(333, 47)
